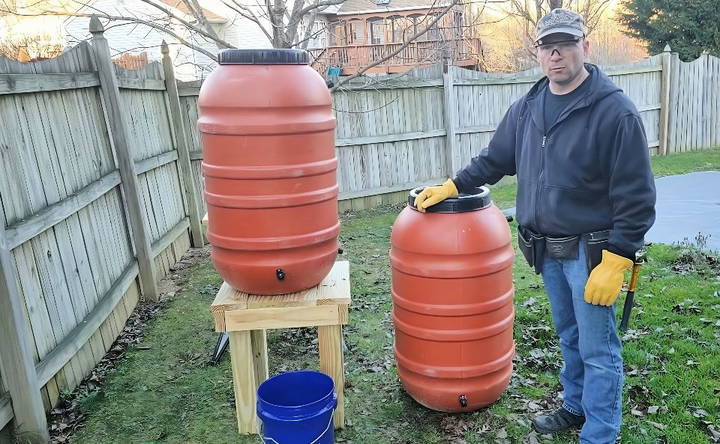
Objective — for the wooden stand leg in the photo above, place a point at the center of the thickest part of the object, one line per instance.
(332, 364)
(260, 359)
(244, 381)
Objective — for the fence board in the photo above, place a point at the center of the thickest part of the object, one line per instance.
(162, 198)
(56, 213)
(148, 125)
(6, 411)
(30, 83)
(123, 150)
(158, 161)
(141, 84)
(82, 333)
(694, 103)
(73, 60)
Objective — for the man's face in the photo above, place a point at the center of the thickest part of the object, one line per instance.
(562, 56)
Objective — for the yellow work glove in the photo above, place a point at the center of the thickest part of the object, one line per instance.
(432, 195)
(605, 281)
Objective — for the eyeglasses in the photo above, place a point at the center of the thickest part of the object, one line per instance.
(563, 46)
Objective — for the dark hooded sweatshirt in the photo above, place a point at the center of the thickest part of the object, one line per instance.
(589, 171)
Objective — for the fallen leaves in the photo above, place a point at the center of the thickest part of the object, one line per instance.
(636, 412)
(687, 306)
(631, 335)
(714, 432)
(455, 426)
(657, 425)
(541, 359)
(698, 412)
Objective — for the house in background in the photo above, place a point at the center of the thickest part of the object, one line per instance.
(360, 32)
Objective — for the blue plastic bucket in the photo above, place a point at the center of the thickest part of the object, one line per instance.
(297, 408)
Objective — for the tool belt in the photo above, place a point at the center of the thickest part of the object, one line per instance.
(534, 246)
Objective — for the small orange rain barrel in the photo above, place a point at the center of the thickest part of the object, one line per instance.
(268, 141)
(452, 295)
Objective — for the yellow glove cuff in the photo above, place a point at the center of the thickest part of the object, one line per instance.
(615, 262)
(452, 190)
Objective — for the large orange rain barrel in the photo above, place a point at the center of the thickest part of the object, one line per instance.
(269, 163)
(452, 295)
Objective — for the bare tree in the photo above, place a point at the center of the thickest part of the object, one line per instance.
(529, 12)
(283, 21)
(41, 46)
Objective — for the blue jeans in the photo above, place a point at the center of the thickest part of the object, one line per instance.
(592, 374)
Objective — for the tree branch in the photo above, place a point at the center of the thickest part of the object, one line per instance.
(319, 4)
(130, 20)
(210, 35)
(199, 14)
(247, 13)
(293, 21)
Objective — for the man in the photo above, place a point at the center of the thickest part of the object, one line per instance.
(585, 200)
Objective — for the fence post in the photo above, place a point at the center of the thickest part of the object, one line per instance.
(111, 95)
(666, 58)
(449, 116)
(706, 122)
(18, 368)
(178, 127)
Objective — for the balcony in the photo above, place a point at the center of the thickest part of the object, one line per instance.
(350, 58)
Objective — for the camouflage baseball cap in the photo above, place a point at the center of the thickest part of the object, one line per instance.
(560, 20)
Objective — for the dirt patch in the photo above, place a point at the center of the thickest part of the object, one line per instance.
(174, 281)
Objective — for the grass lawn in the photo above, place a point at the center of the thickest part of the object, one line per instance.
(163, 390)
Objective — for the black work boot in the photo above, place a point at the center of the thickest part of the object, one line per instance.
(557, 421)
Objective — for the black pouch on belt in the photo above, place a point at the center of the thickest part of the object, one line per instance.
(596, 242)
(532, 246)
(562, 247)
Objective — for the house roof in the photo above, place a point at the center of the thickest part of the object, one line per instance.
(365, 6)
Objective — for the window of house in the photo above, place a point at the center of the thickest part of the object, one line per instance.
(412, 24)
(332, 34)
(377, 30)
(356, 32)
(433, 33)
(458, 24)
(398, 25)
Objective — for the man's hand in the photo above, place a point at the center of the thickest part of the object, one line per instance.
(605, 281)
(432, 195)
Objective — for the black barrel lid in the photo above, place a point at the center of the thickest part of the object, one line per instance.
(461, 204)
(263, 57)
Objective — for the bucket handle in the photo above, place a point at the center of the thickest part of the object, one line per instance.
(272, 441)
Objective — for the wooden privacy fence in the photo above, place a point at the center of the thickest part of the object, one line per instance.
(98, 200)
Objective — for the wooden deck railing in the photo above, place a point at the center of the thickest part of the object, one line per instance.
(418, 53)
